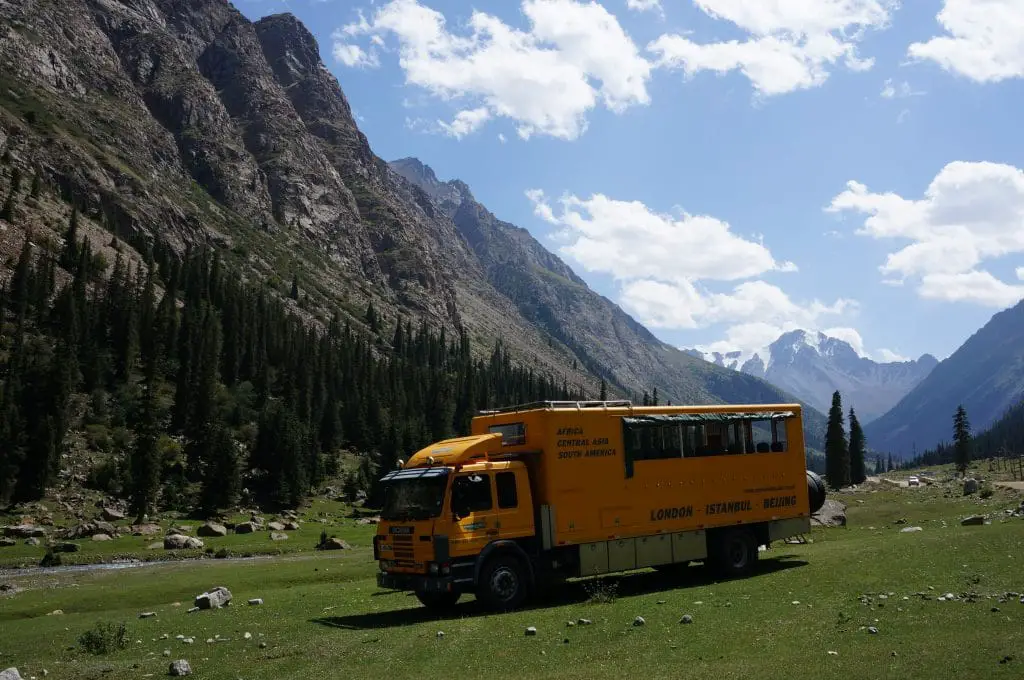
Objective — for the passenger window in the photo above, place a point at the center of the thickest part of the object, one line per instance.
(779, 440)
(471, 493)
(512, 434)
(507, 495)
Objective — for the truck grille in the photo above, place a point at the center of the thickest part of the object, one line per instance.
(403, 547)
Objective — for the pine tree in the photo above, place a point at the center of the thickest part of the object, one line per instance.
(961, 439)
(294, 295)
(858, 472)
(37, 185)
(143, 462)
(837, 454)
(604, 390)
(889, 467)
(7, 212)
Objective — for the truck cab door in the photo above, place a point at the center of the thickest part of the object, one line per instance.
(474, 520)
(514, 504)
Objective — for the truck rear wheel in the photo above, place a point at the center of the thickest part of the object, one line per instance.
(502, 584)
(437, 601)
(734, 552)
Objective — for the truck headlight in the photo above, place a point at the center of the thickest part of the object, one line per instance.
(386, 564)
(433, 568)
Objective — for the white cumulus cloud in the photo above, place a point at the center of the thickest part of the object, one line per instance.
(644, 5)
(788, 45)
(891, 90)
(354, 55)
(662, 263)
(574, 57)
(984, 40)
(466, 122)
(971, 213)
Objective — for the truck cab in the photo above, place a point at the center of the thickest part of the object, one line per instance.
(454, 521)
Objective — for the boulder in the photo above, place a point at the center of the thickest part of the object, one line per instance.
(278, 536)
(112, 514)
(10, 674)
(334, 544)
(214, 599)
(24, 531)
(180, 542)
(976, 520)
(66, 547)
(7, 542)
(179, 668)
(245, 528)
(101, 537)
(291, 526)
(831, 514)
(211, 529)
(275, 526)
(970, 486)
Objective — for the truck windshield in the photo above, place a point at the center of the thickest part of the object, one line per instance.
(413, 499)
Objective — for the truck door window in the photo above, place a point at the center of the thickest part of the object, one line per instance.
(471, 493)
(507, 495)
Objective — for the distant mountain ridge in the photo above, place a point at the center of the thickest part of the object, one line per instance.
(813, 366)
(610, 343)
(986, 375)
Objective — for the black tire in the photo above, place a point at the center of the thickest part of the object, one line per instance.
(815, 491)
(734, 553)
(503, 583)
(437, 601)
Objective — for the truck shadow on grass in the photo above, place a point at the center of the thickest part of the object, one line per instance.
(596, 590)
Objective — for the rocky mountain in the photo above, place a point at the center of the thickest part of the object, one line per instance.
(813, 366)
(986, 375)
(181, 122)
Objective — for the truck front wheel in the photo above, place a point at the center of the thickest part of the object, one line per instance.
(502, 584)
(437, 601)
(734, 553)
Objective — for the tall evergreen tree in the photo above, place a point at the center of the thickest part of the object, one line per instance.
(837, 453)
(7, 212)
(858, 472)
(961, 439)
(604, 390)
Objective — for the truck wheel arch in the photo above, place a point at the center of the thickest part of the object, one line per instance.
(504, 547)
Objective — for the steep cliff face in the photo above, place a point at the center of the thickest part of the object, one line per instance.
(182, 122)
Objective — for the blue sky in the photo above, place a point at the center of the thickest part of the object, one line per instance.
(725, 170)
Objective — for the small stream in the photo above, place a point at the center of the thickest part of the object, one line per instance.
(15, 572)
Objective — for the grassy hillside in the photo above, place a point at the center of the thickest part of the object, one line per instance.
(806, 613)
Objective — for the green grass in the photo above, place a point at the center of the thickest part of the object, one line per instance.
(324, 617)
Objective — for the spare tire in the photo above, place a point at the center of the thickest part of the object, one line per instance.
(815, 491)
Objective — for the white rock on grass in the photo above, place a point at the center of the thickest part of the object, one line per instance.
(10, 674)
(214, 599)
(179, 668)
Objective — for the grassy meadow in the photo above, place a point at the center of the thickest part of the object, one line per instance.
(808, 611)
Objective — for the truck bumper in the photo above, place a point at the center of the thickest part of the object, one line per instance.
(415, 582)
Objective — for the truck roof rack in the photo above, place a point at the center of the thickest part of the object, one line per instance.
(557, 404)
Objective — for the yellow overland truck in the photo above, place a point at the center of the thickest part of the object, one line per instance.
(557, 490)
